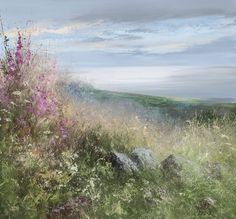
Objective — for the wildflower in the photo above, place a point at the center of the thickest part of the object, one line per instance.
(9, 78)
(10, 64)
(12, 103)
(62, 128)
(47, 132)
(19, 46)
(8, 120)
(17, 93)
(43, 104)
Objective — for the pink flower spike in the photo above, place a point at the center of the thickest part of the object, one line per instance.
(19, 46)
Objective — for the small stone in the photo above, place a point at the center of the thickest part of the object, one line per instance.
(206, 205)
(172, 167)
(179, 169)
(213, 170)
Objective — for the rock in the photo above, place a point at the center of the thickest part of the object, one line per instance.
(172, 167)
(121, 161)
(73, 208)
(206, 205)
(144, 158)
(179, 169)
(139, 159)
(213, 170)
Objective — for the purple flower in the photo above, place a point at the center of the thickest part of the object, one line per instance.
(19, 46)
(44, 105)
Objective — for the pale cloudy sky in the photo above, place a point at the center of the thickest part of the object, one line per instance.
(171, 47)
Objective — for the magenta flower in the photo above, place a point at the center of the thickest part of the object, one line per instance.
(44, 105)
(19, 46)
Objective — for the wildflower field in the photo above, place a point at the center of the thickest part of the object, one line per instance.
(54, 152)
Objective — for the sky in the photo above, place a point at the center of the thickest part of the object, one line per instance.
(183, 48)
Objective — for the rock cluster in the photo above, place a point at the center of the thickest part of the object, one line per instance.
(174, 167)
(138, 159)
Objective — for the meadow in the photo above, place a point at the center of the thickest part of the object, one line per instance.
(56, 139)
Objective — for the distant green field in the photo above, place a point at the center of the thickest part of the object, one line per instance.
(145, 100)
(173, 107)
(184, 109)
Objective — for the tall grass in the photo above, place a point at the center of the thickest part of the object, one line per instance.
(53, 153)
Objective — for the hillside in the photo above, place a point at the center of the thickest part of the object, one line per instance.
(177, 108)
(70, 151)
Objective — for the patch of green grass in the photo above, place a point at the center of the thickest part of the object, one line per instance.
(183, 109)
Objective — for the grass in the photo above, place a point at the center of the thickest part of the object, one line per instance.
(54, 148)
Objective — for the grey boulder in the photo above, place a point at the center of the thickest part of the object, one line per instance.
(121, 161)
(144, 158)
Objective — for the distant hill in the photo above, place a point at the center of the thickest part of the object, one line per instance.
(175, 108)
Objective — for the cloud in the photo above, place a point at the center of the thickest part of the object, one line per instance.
(112, 37)
(149, 10)
(47, 28)
(17, 12)
(140, 30)
(129, 32)
(224, 45)
(95, 39)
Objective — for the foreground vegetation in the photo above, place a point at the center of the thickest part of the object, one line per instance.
(54, 153)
